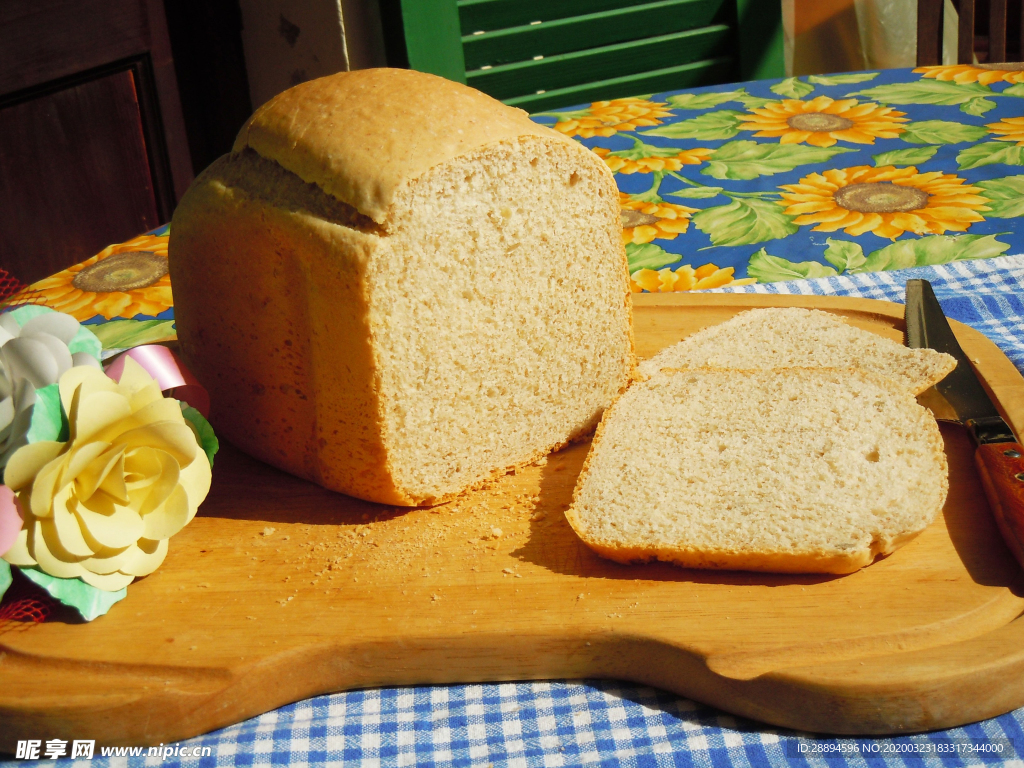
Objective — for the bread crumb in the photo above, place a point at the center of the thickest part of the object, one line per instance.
(268, 531)
(496, 532)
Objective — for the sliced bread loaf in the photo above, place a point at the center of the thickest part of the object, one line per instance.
(778, 337)
(803, 470)
(398, 287)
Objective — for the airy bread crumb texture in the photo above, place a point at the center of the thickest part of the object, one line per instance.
(778, 337)
(795, 470)
(501, 324)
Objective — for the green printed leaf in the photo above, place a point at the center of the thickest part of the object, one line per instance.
(932, 250)
(844, 255)
(744, 221)
(648, 256)
(122, 334)
(941, 132)
(792, 87)
(696, 193)
(708, 127)
(1006, 196)
(853, 77)
(201, 428)
(702, 100)
(911, 156)
(1017, 89)
(89, 601)
(753, 102)
(990, 153)
(709, 100)
(5, 577)
(926, 92)
(769, 269)
(977, 106)
(746, 159)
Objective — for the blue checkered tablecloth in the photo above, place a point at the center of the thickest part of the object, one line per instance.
(612, 723)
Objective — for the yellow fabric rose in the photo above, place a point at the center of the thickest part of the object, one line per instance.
(102, 505)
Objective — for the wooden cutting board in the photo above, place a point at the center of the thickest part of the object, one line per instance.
(280, 590)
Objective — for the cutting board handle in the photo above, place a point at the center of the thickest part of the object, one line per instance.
(1001, 466)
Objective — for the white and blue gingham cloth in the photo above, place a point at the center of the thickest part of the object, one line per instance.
(611, 723)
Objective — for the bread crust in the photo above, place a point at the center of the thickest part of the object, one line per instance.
(773, 562)
(322, 417)
(362, 135)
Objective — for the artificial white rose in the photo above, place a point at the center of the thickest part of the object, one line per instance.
(37, 346)
(102, 505)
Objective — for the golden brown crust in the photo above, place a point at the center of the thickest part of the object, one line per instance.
(361, 135)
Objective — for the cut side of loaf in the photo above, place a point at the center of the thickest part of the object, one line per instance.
(398, 287)
(780, 337)
(796, 470)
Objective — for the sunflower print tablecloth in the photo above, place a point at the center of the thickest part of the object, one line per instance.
(813, 176)
(753, 182)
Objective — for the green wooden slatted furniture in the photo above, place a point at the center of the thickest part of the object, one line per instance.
(537, 54)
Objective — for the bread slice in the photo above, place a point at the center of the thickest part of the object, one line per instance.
(794, 470)
(778, 337)
(398, 287)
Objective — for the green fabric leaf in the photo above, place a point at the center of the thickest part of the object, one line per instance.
(844, 255)
(769, 269)
(5, 576)
(709, 100)
(89, 601)
(648, 256)
(977, 106)
(792, 87)
(911, 156)
(990, 153)
(1017, 89)
(926, 92)
(1006, 196)
(696, 193)
(48, 422)
(747, 159)
(941, 132)
(702, 100)
(201, 428)
(710, 126)
(744, 221)
(932, 250)
(853, 77)
(122, 334)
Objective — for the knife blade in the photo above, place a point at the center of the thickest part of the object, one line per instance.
(999, 456)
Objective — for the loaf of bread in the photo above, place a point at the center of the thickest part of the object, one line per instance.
(777, 337)
(791, 470)
(398, 287)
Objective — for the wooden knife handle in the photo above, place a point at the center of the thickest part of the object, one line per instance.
(1001, 466)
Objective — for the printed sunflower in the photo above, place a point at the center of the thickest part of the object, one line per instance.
(628, 161)
(644, 221)
(822, 121)
(986, 74)
(122, 280)
(686, 278)
(887, 201)
(1010, 129)
(606, 118)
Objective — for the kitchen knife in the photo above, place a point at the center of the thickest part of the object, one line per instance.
(999, 455)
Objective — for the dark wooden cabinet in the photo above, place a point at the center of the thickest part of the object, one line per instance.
(93, 147)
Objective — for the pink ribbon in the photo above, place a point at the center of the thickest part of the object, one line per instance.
(10, 519)
(170, 373)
